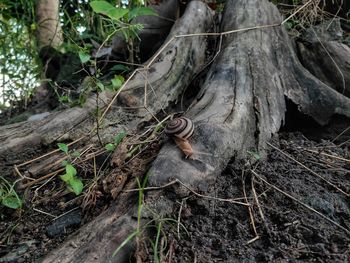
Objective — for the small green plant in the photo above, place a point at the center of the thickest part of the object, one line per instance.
(254, 154)
(117, 140)
(93, 84)
(74, 183)
(119, 19)
(137, 232)
(158, 223)
(8, 195)
(155, 244)
(121, 14)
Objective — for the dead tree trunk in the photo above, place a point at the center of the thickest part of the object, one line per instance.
(242, 102)
(240, 106)
(322, 53)
(49, 31)
(167, 77)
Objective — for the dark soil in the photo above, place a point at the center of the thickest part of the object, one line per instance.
(284, 230)
(288, 231)
(219, 231)
(51, 212)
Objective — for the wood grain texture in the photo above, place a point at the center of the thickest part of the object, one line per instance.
(329, 61)
(240, 106)
(96, 241)
(242, 102)
(167, 77)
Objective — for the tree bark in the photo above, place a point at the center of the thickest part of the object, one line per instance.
(242, 102)
(167, 77)
(49, 31)
(328, 61)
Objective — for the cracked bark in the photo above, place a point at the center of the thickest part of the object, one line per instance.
(241, 103)
(97, 240)
(329, 61)
(254, 72)
(168, 76)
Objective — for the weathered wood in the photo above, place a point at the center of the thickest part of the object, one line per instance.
(167, 77)
(329, 62)
(321, 52)
(242, 102)
(240, 106)
(49, 31)
(96, 241)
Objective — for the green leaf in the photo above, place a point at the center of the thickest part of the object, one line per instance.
(101, 7)
(288, 25)
(63, 99)
(33, 26)
(76, 185)
(120, 67)
(110, 147)
(117, 13)
(141, 11)
(119, 137)
(84, 57)
(64, 163)
(71, 170)
(132, 31)
(254, 154)
(12, 201)
(101, 86)
(63, 147)
(126, 241)
(105, 8)
(117, 81)
(66, 178)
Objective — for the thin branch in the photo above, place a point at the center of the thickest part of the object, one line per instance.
(297, 11)
(49, 153)
(191, 190)
(340, 134)
(329, 155)
(300, 202)
(308, 169)
(250, 210)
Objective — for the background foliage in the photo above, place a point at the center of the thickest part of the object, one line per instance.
(84, 23)
(18, 54)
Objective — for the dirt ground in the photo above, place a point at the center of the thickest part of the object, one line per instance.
(285, 208)
(299, 205)
(296, 214)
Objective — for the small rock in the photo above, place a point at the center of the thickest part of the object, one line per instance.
(58, 227)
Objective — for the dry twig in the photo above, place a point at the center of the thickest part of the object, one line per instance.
(308, 169)
(300, 202)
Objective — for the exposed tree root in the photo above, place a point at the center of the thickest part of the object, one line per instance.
(240, 106)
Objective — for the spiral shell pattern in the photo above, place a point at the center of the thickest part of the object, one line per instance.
(181, 127)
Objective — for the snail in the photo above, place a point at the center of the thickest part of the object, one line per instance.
(180, 129)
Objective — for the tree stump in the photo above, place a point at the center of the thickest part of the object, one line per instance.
(241, 104)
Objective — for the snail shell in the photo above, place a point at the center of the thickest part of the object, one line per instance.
(181, 127)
